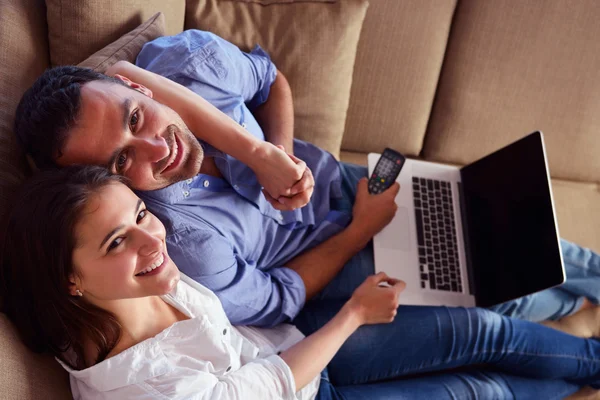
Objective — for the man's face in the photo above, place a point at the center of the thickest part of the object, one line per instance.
(132, 135)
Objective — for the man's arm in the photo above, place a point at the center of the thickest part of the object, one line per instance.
(371, 213)
(276, 115)
(276, 171)
(249, 295)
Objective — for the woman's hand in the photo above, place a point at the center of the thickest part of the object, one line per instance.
(373, 302)
(372, 212)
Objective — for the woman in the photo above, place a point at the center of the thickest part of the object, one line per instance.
(86, 276)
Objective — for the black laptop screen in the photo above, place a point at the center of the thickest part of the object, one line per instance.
(512, 239)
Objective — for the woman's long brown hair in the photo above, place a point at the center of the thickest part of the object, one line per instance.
(36, 263)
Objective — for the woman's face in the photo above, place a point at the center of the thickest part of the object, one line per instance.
(120, 250)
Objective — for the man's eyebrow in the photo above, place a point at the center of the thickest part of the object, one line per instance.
(126, 108)
(111, 233)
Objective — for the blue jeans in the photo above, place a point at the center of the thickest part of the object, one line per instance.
(425, 339)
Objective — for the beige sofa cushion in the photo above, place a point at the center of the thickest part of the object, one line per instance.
(578, 212)
(128, 46)
(312, 43)
(400, 55)
(23, 56)
(83, 27)
(513, 67)
(25, 375)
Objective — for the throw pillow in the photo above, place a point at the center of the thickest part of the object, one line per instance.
(128, 46)
(77, 29)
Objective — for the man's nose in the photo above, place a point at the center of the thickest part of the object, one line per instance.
(151, 149)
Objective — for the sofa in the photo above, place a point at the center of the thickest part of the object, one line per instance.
(441, 80)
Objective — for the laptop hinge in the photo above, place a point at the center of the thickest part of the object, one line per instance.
(466, 240)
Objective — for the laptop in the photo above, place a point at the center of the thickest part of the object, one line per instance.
(479, 235)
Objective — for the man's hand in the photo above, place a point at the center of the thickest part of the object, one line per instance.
(300, 193)
(372, 212)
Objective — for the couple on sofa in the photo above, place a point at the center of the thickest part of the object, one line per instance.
(268, 230)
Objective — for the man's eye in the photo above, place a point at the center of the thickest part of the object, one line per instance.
(141, 215)
(115, 243)
(121, 160)
(134, 119)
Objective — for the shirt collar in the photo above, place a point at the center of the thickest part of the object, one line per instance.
(146, 359)
(134, 365)
(176, 192)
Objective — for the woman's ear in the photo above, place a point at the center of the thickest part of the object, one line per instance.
(74, 285)
(135, 86)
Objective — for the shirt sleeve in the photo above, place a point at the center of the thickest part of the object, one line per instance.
(198, 58)
(249, 296)
(269, 378)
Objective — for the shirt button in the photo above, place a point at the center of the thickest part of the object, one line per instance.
(228, 369)
(236, 187)
(186, 193)
(206, 183)
(225, 331)
(280, 217)
(189, 181)
(244, 125)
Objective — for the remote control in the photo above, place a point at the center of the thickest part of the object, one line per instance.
(386, 171)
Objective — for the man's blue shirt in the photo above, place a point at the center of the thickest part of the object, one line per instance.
(222, 232)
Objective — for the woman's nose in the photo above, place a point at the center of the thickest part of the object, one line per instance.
(150, 244)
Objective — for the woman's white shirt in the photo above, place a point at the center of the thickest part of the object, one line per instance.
(204, 357)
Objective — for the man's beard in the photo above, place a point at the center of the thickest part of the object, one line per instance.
(192, 161)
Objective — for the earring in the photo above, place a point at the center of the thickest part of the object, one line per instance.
(79, 293)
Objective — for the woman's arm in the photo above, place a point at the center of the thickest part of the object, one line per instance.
(275, 170)
(370, 304)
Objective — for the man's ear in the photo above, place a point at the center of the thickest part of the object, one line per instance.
(135, 86)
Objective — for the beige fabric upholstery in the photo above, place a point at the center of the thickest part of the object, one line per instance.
(80, 28)
(25, 375)
(578, 212)
(23, 56)
(312, 43)
(400, 54)
(128, 46)
(513, 67)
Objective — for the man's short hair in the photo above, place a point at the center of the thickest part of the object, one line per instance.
(49, 109)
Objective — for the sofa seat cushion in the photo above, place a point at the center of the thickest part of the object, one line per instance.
(80, 28)
(312, 42)
(578, 212)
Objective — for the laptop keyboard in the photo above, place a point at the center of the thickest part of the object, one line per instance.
(436, 235)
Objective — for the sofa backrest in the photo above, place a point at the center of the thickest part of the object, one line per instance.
(513, 67)
(398, 62)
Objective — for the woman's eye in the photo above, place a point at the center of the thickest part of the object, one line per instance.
(121, 160)
(141, 215)
(134, 119)
(115, 243)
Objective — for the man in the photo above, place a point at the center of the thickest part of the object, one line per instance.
(261, 254)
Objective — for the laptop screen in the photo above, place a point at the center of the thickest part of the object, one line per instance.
(512, 237)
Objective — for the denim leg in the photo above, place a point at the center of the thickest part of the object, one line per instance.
(468, 385)
(426, 339)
